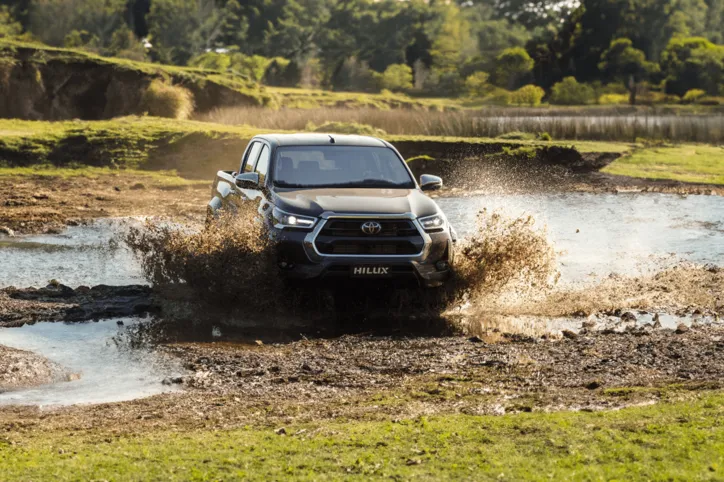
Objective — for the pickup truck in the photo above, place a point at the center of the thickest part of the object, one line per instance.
(341, 207)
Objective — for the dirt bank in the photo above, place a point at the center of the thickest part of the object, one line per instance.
(46, 204)
(57, 302)
(40, 83)
(22, 369)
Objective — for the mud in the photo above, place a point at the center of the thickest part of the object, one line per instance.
(21, 369)
(57, 302)
(394, 378)
(47, 204)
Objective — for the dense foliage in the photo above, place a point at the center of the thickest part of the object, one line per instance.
(475, 48)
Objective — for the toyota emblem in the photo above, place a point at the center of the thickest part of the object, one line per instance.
(371, 227)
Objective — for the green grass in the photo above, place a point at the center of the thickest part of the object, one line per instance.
(667, 441)
(157, 178)
(198, 149)
(686, 163)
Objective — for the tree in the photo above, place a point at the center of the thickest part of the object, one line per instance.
(397, 77)
(9, 27)
(477, 84)
(512, 68)
(693, 63)
(622, 62)
(296, 34)
(52, 20)
(451, 43)
(182, 29)
(570, 92)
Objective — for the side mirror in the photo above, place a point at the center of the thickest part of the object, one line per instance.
(430, 183)
(247, 180)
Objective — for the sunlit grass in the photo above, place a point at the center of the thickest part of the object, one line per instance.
(667, 441)
(687, 163)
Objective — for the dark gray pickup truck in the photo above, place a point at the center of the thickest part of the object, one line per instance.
(341, 207)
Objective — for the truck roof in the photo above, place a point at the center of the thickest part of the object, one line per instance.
(315, 139)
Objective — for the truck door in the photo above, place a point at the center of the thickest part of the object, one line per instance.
(257, 161)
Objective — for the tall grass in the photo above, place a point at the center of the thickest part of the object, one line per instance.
(604, 124)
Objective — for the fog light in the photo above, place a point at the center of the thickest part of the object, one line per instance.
(441, 265)
(285, 265)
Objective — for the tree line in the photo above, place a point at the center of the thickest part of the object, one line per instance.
(502, 50)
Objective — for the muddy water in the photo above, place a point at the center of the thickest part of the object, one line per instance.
(597, 234)
(81, 255)
(106, 371)
(600, 234)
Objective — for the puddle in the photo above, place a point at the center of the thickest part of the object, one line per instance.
(107, 373)
(81, 255)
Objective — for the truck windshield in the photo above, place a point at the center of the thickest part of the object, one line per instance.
(340, 166)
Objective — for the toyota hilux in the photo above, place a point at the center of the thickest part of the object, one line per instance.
(341, 207)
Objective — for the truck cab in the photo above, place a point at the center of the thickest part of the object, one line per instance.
(341, 207)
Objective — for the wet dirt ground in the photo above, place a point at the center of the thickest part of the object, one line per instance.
(385, 372)
(47, 204)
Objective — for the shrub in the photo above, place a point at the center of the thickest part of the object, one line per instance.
(611, 99)
(346, 128)
(709, 100)
(512, 67)
(528, 95)
(165, 100)
(692, 96)
(498, 97)
(477, 84)
(570, 92)
(397, 77)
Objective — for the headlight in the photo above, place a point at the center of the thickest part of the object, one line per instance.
(434, 223)
(288, 220)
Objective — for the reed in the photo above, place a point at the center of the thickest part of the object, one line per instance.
(615, 124)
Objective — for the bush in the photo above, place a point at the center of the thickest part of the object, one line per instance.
(477, 84)
(498, 97)
(612, 99)
(346, 128)
(397, 77)
(693, 96)
(165, 100)
(528, 95)
(570, 92)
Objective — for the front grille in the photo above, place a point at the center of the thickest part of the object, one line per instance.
(353, 227)
(344, 237)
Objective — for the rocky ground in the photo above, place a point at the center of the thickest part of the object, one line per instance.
(57, 302)
(23, 369)
(389, 378)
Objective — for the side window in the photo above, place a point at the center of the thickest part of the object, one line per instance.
(250, 160)
(262, 165)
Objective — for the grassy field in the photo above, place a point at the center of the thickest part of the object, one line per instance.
(667, 441)
(688, 163)
(197, 149)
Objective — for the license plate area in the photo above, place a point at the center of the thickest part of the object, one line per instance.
(370, 271)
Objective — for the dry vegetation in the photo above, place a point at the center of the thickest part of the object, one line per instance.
(165, 100)
(592, 124)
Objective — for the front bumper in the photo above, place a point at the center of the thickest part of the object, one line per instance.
(299, 258)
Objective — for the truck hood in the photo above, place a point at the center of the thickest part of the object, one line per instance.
(313, 202)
